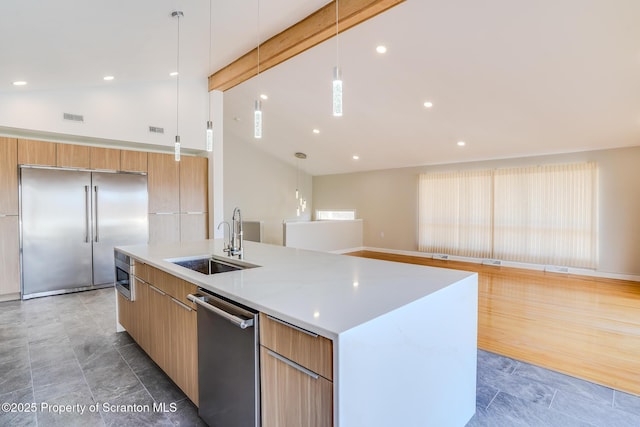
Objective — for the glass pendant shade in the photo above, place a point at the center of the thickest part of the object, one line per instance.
(257, 120)
(176, 148)
(337, 92)
(209, 136)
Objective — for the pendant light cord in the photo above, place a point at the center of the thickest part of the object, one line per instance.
(337, 40)
(178, 79)
(209, 71)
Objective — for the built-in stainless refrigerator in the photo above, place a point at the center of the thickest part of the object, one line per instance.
(71, 220)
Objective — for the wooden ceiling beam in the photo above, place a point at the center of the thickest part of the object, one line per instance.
(312, 30)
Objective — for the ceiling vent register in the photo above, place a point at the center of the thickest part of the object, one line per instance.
(73, 117)
(154, 129)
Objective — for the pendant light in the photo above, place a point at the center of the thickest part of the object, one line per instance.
(209, 145)
(176, 148)
(257, 111)
(337, 76)
(301, 204)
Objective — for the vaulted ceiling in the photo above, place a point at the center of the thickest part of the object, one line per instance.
(507, 78)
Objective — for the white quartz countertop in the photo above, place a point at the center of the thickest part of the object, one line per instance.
(325, 293)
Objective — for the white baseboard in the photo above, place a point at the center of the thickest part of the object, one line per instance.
(511, 264)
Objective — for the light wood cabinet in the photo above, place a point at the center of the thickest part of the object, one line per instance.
(105, 158)
(183, 348)
(164, 228)
(291, 397)
(193, 184)
(164, 323)
(9, 258)
(73, 156)
(306, 348)
(163, 183)
(296, 372)
(193, 227)
(31, 152)
(8, 176)
(133, 161)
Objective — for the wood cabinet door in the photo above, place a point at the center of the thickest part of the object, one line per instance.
(292, 397)
(133, 161)
(140, 317)
(9, 256)
(159, 328)
(183, 351)
(8, 176)
(105, 158)
(73, 156)
(164, 228)
(163, 183)
(31, 152)
(194, 172)
(193, 227)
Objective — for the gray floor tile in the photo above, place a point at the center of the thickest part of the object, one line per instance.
(484, 395)
(121, 411)
(70, 419)
(50, 353)
(61, 373)
(509, 411)
(626, 402)
(564, 382)
(160, 386)
(14, 375)
(53, 391)
(13, 352)
(136, 357)
(599, 414)
(113, 382)
(515, 385)
(15, 417)
(497, 362)
(94, 352)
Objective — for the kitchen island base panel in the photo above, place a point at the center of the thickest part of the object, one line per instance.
(415, 366)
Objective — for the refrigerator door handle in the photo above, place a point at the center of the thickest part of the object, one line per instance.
(96, 213)
(87, 214)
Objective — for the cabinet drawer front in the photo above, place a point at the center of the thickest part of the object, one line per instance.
(305, 348)
(290, 397)
(142, 271)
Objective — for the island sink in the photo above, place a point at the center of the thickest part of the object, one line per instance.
(211, 264)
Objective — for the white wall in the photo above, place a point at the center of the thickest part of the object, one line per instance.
(334, 236)
(263, 187)
(113, 112)
(387, 201)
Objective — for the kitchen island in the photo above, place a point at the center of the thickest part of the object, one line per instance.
(403, 336)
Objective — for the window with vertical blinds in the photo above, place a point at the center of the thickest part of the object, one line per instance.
(542, 215)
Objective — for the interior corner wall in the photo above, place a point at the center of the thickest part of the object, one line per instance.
(263, 187)
(387, 201)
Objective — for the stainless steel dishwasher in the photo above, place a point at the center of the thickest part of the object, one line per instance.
(228, 362)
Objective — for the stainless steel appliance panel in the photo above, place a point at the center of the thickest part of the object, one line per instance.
(56, 230)
(120, 203)
(228, 368)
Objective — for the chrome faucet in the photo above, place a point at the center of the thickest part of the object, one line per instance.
(227, 246)
(235, 244)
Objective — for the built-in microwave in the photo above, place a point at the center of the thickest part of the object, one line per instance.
(124, 275)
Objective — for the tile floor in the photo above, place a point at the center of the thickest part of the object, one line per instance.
(64, 350)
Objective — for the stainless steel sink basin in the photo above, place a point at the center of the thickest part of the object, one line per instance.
(211, 264)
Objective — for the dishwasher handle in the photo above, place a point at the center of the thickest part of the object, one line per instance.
(241, 323)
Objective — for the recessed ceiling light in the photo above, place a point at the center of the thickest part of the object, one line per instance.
(428, 104)
(356, 157)
(173, 73)
(316, 131)
(263, 96)
(381, 49)
(461, 143)
(108, 78)
(19, 83)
